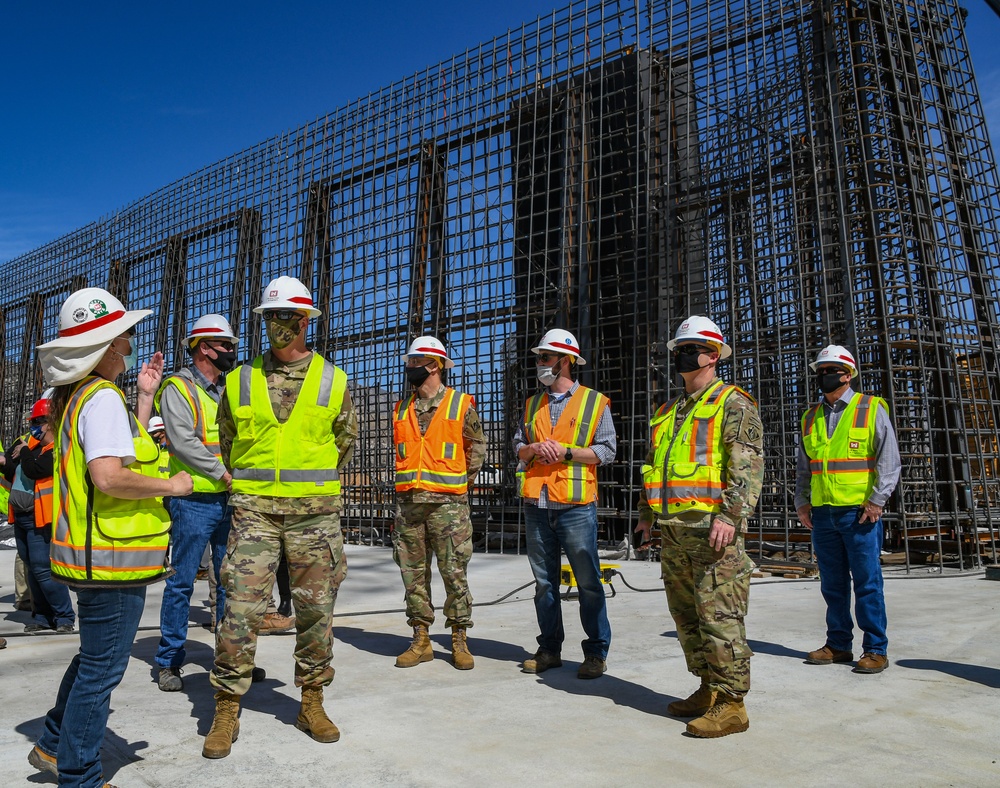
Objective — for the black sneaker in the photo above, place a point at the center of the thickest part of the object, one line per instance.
(170, 680)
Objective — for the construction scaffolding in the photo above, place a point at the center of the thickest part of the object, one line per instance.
(806, 172)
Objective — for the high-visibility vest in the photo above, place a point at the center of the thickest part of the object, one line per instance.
(842, 466)
(98, 540)
(297, 459)
(43, 491)
(203, 410)
(434, 461)
(4, 488)
(689, 463)
(567, 482)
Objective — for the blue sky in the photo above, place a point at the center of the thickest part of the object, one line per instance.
(105, 102)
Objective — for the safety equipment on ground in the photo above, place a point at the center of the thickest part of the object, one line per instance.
(39, 410)
(203, 413)
(568, 482)
(287, 292)
(155, 423)
(429, 346)
(435, 460)
(559, 340)
(699, 328)
(211, 327)
(838, 355)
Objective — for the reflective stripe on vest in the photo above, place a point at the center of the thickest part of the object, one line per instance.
(689, 462)
(297, 459)
(433, 461)
(99, 540)
(43, 492)
(842, 466)
(566, 482)
(204, 410)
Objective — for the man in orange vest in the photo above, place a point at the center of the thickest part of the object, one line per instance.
(440, 447)
(566, 433)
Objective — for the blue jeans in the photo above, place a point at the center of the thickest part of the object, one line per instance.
(197, 520)
(53, 607)
(847, 549)
(74, 728)
(575, 532)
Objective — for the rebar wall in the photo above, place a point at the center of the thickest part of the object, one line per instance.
(804, 171)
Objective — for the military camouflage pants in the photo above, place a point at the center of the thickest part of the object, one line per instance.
(708, 592)
(314, 547)
(444, 530)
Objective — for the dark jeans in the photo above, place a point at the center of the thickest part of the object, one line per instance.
(53, 606)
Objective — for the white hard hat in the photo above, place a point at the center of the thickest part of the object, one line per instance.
(287, 292)
(428, 346)
(836, 354)
(559, 340)
(155, 423)
(699, 328)
(211, 327)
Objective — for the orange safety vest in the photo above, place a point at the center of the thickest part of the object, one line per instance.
(43, 493)
(567, 482)
(434, 461)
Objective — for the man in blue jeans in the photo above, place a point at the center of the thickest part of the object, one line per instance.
(188, 401)
(567, 431)
(847, 467)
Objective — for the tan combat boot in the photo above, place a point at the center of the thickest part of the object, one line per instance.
(312, 718)
(420, 649)
(728, 715)
(225, 726)
(696, 704)
(461, 657)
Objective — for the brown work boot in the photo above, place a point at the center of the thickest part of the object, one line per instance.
(728, 715)
(695, 705)
(872, 663)
(541, 662)
(420, 649)
(43, 761)
(312, 718)
(275, 624)
(827, 656)
(461, 657)
(593, 667)
(225, 726)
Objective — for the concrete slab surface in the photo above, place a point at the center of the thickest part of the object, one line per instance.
(929, 720)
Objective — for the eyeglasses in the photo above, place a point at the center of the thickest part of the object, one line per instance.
(545, 358)
(831, 371)
(691, 350)
(419, 361)
(281, 314)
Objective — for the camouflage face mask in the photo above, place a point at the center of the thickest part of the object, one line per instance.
(281, 333)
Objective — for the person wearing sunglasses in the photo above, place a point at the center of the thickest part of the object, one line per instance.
(848, 465)
(701, 480)
(286, 427)
(566, 433)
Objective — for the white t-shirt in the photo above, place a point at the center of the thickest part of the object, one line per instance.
(104, 428)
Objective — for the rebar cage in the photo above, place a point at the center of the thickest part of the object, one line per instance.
(803, 171)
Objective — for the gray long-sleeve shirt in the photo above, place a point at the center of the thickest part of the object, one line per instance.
(887, 461)
(185, 444)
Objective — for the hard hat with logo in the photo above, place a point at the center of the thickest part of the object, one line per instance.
(155, 424)
(211, 327)
(836, 354)
(287, 292)
(699, 328)
(559, 340)
(39, 410)
(429, 346)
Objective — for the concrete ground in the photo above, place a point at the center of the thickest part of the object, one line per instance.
(930, 719)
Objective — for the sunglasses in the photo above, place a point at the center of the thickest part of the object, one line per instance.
(831, 371)
(547, 357)
(220, 344)
(281, 314)
(691, 350)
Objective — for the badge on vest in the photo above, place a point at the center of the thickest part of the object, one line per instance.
(855, 445)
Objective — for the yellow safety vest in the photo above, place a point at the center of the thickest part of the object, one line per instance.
(434, 461)
(842, 465)
(203, 410)
(567, 482)
(689, 463)
(98, 540)
(297, 459)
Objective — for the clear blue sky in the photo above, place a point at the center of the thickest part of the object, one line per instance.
(105, 102)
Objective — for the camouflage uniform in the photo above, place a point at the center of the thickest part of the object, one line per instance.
(708, 590)
(433, 522)
(307, 530)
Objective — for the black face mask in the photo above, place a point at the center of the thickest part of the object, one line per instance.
(687, 363)
(417, 375)
(830, 382)
(224, 360)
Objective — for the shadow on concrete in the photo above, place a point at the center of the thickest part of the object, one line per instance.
(618, 691)
(980, 674)
(762, 647)
(387, 644)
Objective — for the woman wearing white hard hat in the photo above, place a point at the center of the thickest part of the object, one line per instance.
(107, 471)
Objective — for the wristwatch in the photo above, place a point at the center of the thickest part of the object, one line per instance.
(569, 454)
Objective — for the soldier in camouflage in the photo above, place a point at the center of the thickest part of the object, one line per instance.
(290, 406)
(440, 447)
(702, 478)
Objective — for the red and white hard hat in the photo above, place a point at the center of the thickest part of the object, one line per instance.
(429, 346)
(559, 340)
(211, 327)
(40, 409)
(287, 292)
(155, 424)
(836, 354)
(699, 328)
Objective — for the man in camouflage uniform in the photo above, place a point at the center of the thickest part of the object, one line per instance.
(702, 478)
(440, 447)
(286, 425)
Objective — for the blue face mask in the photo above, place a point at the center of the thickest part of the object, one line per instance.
(133, 355)
(36, 431)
